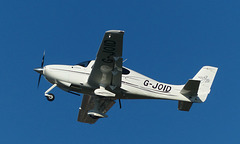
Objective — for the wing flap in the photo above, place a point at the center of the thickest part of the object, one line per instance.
(117, 74)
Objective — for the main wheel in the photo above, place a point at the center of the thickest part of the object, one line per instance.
(51, 97)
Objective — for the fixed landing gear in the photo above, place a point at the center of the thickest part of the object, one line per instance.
(50, 96)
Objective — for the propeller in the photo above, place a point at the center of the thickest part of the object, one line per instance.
(40, 70)
(120, 105)
(43, 59)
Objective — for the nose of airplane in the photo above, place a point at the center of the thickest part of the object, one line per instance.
(39, 70)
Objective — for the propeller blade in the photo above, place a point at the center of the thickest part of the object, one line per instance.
(43, 59)
(120, 105)
(40, 70)
(39, 79)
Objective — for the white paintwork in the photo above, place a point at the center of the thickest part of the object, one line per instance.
(134, 85)
(206, 75)
(52, 87)
(105, 80)
(103, 92)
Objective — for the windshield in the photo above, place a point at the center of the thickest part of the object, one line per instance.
(84, 64)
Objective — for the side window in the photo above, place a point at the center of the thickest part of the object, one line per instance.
(84, 64)
(125, 71)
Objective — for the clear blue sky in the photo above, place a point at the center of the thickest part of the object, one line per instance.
(166, 40)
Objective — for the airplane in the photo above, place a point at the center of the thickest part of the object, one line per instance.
(104, 80)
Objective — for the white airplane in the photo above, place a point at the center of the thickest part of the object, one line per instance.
(105, 80)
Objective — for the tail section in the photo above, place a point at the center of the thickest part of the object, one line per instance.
(198, 88)
(206, 76)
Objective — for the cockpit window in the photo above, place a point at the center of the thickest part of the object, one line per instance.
(84, 64)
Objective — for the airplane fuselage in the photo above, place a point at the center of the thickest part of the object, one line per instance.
(134, 85)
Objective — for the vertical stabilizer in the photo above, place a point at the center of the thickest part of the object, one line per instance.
(206, 76)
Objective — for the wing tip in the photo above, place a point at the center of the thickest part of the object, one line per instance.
(115, 31)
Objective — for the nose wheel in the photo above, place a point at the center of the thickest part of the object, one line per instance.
(50, 97)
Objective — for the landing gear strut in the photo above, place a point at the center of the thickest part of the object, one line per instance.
(50, 96)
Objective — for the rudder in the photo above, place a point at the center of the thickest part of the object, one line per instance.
(206, 75)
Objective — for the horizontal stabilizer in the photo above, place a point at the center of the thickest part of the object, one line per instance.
(184, 106)
(190, 88)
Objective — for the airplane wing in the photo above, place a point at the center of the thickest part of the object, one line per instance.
(89, 103)
(107, 69)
